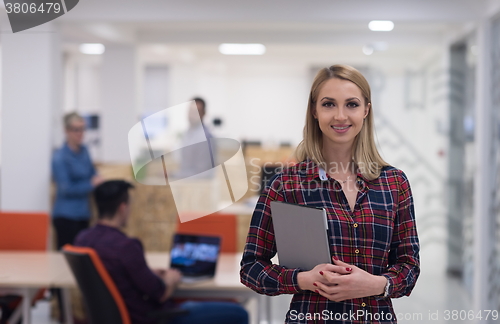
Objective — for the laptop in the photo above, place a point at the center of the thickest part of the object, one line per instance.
(301, 234)
(195, 256)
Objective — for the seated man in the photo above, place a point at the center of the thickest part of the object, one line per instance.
(143, 289)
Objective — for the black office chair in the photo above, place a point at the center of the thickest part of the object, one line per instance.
(104, 302)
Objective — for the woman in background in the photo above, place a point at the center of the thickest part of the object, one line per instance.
(75, 177)
(374, 243)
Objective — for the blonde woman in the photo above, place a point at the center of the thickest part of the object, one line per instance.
(75, 177)
(374, 242)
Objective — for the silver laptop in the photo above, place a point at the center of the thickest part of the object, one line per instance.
(301, 234)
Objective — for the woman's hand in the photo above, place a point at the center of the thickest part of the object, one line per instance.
(308, 279)
(356, 283)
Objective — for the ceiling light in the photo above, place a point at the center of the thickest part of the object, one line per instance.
(242, 49)
(368, 50)
(381, 25)
(93, 49)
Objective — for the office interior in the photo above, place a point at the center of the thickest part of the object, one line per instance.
(435, 80)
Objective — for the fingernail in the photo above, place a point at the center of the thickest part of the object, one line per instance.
(316, 291)
(315, 284)
(335, 258)
(348, 269)
(321, 272)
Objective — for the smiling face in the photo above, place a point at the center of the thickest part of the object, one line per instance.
(340, 109)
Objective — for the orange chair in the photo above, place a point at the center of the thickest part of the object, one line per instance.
(221, 225)
(22, 232)
(103, 299)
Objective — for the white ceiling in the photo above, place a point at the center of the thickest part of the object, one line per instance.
(312, 11)
(342, 22)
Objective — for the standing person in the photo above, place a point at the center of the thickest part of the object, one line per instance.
(143, 289)
(75, 177)
(369, 204)
(200, 158)
(201, 106)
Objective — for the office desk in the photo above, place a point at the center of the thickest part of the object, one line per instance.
(28, 271)
(225, 284)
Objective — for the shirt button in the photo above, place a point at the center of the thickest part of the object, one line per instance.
(355, 225)
(356, 251)
(363, 304)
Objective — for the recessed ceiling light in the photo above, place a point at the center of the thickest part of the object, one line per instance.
(381, 25)
(368, 50)
(92, 48)
(242, 49)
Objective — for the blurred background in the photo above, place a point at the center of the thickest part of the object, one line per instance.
(434, 69)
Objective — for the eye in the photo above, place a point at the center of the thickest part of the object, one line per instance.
(352, 104)
(328, 104)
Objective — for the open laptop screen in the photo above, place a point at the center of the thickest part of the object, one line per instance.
(195, 255)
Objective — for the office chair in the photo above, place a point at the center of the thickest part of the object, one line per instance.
(104, 302)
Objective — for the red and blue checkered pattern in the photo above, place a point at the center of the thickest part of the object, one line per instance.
(384, 241)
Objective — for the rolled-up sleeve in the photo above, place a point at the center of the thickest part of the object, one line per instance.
(404, 263)
(257, 271)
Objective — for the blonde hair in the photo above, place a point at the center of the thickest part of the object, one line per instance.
(69, 118)
(365, 155)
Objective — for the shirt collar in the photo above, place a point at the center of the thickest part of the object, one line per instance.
(99, 225)
(68, 149)
(322, 174)
(314, 171)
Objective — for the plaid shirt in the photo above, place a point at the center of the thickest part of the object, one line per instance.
(379, 236)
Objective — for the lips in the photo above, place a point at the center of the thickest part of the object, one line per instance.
(340, 128)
